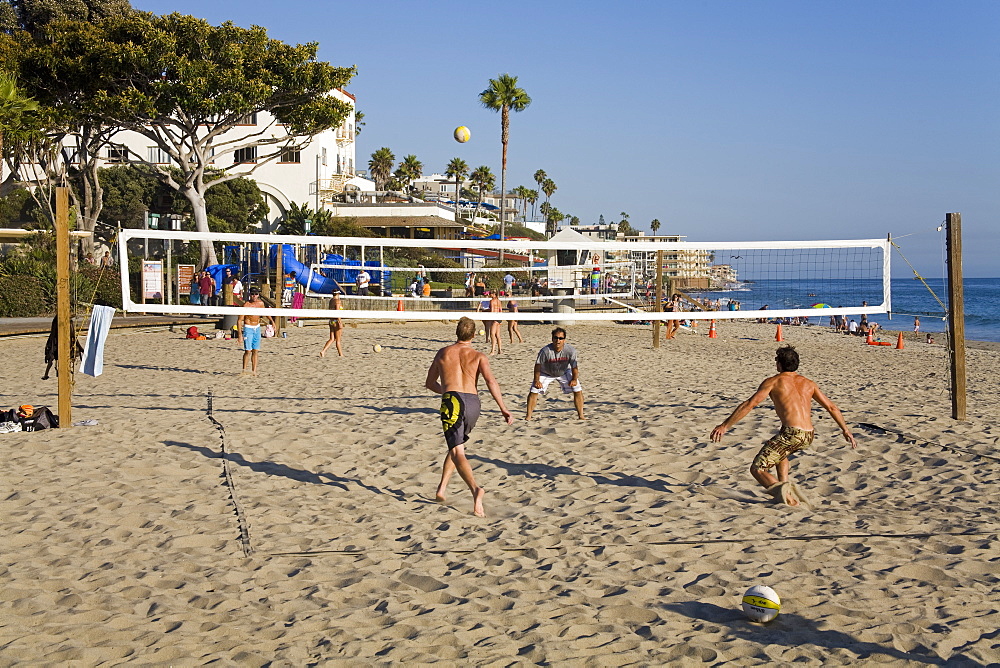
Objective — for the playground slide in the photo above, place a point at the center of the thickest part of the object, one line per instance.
(314, 281)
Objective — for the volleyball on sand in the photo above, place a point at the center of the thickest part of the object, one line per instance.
(462, 134)
(761, 603)
(377, 348)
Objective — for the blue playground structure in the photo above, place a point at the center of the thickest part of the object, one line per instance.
(330, 279)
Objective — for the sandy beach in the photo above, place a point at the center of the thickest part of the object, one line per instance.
(625, 539)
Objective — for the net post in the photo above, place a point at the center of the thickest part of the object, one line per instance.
(279, 284)
(956, 315)
(659, 298)
(64, 365)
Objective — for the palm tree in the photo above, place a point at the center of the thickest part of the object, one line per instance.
(409, 170)
(574, 220)
(521, 193)
(503, 95)
(12, 104)
(457, 169)
(552, 218)
(532, 198)
(380, 166)
(482, 177)
(540, 177)
(655, 225)
(549, 188)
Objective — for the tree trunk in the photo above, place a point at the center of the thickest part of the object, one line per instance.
(197, 200)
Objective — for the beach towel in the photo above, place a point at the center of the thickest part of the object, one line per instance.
(298, 299)
(92, 363)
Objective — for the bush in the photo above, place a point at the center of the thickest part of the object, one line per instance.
(92, 286)
(22, 297)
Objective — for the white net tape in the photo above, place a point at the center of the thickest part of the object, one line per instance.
(584, 281)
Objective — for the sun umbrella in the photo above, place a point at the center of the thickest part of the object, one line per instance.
(821, 305)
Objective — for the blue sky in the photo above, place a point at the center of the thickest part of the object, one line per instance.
(726, 120)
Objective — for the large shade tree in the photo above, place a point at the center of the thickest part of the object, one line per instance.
(14, 104)
(182, 84)
(504, 95)
(50, 50)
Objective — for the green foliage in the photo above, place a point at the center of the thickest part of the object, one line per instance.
(324, 224)
(32, 15)
(237, 205)
(130, 190)
(22, 297)
(380, 166)
(16, 208)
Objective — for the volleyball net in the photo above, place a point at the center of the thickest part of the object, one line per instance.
(444, 279)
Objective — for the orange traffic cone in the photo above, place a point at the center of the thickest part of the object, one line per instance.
(899, 341)
(777, 334)
(869, 340)
(711, 331)
(399, 305)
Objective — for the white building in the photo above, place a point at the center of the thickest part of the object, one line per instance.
(310, 176)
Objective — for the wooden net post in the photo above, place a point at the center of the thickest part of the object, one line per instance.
(64, 364)
(956, 315)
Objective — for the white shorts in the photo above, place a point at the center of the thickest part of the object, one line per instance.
(563, 381)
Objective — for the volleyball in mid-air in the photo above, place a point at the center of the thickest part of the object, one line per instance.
(462, 134)
(761, 603)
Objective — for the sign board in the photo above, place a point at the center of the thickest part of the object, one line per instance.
(185, 276)
(555, 282)
(152, 279)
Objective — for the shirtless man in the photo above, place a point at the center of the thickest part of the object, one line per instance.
(792, 395)
(249, 328)
(454, 374)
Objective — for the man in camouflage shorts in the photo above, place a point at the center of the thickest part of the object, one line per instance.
(792, 396)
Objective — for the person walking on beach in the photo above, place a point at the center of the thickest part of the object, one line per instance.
(495, 307)
(206, 288)
(556, 362)
(454, 374)
(248, 327)
(916, 324)
(336, 327)
(792, 395)
(512, 329)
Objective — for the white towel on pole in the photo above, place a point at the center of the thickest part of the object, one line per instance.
(93, 352)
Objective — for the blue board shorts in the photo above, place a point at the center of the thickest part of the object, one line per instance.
(251, 337)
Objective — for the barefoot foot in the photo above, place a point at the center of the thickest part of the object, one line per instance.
(477, 503)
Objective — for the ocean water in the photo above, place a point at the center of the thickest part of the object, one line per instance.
(910, 298)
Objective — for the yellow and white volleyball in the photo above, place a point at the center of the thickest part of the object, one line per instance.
(482, 332)
(377, 348)
(761, 603)
(462, 134)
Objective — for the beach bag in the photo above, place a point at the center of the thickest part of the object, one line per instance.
(41, 418)
(268, 331)
(192, 332)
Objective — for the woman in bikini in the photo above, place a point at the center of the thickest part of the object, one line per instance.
(336, 328)
(512, 324)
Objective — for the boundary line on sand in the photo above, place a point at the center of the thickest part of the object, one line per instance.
(682, 541)
(909, 438)
(240, 515)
